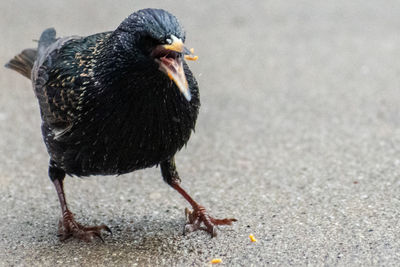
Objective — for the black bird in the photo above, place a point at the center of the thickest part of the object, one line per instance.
(115, 102)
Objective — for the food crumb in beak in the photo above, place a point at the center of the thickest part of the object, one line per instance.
(191, 57)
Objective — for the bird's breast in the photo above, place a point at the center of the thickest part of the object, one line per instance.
(130, 138)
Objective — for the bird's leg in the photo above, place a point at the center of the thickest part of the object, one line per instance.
(199, 214)
(68, 227)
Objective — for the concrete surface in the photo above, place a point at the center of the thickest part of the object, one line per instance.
(298, 138)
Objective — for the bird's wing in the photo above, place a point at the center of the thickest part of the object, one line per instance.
(60, 76)
(49, 81)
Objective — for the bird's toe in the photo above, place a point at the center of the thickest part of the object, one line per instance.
(68, 228)
(199, 216)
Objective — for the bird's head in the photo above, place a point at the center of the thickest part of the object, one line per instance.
(154, 39)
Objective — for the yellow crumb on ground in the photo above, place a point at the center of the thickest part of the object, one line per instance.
(252, 238)
(214, 261)
(191, 50)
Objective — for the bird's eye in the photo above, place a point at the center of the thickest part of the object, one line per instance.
(168, 41)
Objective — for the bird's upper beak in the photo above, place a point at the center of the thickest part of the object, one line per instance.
(169, 57)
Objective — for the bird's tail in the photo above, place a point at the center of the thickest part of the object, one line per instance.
(23, 62)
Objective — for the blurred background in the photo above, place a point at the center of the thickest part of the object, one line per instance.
(298, 138)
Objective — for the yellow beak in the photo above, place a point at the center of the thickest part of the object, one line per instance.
(172, 65)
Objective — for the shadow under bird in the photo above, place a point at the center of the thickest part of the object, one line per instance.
(115, 102)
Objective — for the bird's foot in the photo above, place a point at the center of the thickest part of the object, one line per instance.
(68, 227)
(199, 215)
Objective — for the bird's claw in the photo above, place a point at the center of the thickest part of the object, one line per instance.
(68, 228)
(199, 215)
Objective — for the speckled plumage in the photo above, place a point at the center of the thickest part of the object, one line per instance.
(108, 108)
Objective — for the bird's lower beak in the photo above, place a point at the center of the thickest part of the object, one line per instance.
(173, 67)
(170, 60)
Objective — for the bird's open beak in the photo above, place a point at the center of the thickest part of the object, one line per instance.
(170, 60)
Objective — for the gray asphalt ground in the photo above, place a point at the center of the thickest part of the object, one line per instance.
(298, 138)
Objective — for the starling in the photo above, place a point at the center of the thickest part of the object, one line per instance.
(115, 102)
